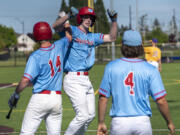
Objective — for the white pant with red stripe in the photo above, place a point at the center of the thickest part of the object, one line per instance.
(46, 107)
(139, 125)
(154, 63)
(81, 93)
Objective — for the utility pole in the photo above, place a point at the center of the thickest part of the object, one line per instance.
(113, 44)
(130, 18)
(137, 26)
(22, 23)
(91, 5)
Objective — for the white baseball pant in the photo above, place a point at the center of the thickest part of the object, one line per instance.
(46, 107)
(81, 93)
(154, 63)
(139, 125)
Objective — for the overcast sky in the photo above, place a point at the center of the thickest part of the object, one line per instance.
(13, 13)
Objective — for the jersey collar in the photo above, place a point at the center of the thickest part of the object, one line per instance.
(47, 48)
(133, 60)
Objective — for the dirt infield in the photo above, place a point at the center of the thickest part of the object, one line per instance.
(4, 130)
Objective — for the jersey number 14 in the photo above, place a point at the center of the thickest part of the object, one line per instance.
(129, 82)
(58, 65)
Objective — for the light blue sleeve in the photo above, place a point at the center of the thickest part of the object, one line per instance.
(32, 68)
(105, 87)
(98, 38)
(157, 89)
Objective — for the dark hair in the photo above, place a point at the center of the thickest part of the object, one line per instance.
(132, 51)
(92, 17)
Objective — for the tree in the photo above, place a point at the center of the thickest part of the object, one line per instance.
(156, 24)
(2, 44)
(102, 24)
(157, 33)
(64, 7)
(8, 36)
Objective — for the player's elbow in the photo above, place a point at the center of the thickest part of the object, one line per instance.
(161, 101)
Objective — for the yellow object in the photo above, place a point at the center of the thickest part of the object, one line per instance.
(91, 5)
(152, 53)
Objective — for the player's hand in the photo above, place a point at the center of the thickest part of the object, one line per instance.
(62, 14)
(73, 12)
(13, 100)
(68, 31)
(171, 127)
(112, 15)
(102, 129)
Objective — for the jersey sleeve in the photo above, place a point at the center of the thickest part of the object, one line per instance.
(105, 87)
(98, 38)
(32, 69)
(156, 86)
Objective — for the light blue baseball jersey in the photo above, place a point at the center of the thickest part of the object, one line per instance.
(44, 67)
(130, 82)
(81, 52)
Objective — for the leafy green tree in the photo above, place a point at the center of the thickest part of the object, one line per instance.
(2, 44)
(8, 36)
(157, 33)
(102, 25)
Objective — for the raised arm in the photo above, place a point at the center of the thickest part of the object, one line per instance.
(62, 18)
(111, 37)
(164, 110)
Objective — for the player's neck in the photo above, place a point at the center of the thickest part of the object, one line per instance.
(84, 29)
(45, 44)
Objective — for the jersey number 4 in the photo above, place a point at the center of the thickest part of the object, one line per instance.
(129, 82)
(58, 65)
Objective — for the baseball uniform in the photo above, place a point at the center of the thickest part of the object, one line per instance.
(79, 59)
(130, 82)
(152, 55)
(45, 70)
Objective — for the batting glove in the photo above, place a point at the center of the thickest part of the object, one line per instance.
(112, 14)
(13, 100)
(73, 12)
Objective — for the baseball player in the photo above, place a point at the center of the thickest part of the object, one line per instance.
(78, 61)
(153, 54)
(44, 69)
(130, 81)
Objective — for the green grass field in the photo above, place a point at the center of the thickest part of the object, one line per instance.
(171, 78)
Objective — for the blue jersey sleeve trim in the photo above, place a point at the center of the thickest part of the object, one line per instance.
(28, 76)
(102, 94)
(161, 97)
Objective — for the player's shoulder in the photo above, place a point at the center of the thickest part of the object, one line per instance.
(61, 41)
(36, 53)
(113, 63)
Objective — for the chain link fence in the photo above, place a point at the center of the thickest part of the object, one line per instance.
(170, 53)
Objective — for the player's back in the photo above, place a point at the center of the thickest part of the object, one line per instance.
(152, 53)
(45, 66)
(130, 86)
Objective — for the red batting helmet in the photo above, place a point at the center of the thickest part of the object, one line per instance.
(42, 31)
(85, 11)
